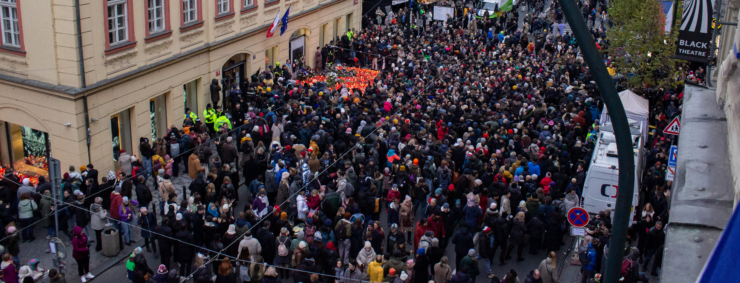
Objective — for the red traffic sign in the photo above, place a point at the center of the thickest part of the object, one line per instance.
(578, 217)
(673, 128)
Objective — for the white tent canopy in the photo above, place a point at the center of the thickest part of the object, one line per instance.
(636, 107)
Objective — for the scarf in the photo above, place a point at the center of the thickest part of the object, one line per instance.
(213, 212)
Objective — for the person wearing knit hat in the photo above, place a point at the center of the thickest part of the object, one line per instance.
(231, 230)
(404, 276)
(416, 161)
(420, 252)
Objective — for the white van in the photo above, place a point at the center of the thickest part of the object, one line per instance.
(602, 181)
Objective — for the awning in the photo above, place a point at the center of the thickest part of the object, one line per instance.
(396, 2)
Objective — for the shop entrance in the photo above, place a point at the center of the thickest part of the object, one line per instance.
(24, 149)
(158, 116)
(190, 97)
(120, 127)
(234, 73)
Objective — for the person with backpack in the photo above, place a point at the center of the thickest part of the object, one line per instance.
(283, 253)
(343, 235)
(587, 257)
(631, 267)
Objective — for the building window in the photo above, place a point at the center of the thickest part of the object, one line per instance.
(247, 3)
(117, 21)
(9, 16)
(156, 16)
(189, 11)
(223, 6)
(349, 22)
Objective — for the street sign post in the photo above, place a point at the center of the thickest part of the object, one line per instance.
(578, 217)
(673, 128)
(672, 160)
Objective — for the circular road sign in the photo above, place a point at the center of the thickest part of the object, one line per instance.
(578, 217)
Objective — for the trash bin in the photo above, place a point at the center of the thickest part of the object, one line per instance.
(110, 243)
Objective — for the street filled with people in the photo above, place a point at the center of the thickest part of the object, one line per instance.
(475, 133)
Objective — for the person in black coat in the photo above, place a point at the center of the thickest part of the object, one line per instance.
(308, 265)
(267, 240)
(198, 186)
(501, 232)
(536, 230)
(518, 229)
(215, 92)
(463, 241)
(196, 222)
(163, 233)
(184, 250)
(143, 193)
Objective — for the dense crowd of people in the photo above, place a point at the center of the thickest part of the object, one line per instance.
(471, 135)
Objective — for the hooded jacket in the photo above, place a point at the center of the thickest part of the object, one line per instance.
(79, 244)
(215, 89)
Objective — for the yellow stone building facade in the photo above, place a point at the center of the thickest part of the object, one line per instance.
(145, 61)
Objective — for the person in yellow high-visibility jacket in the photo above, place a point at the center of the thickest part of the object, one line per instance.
(210, 115)
(221, 120)
(190, 114)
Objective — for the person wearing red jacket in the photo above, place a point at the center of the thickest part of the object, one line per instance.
(81, 254)
(115, 204)
(421, 227)
(393, 194)
(436, 225)
(546, 180)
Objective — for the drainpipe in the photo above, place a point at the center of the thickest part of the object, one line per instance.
(83, 83)
(622, 134)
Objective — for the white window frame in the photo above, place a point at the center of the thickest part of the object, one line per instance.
(156, 16)
(11, 35)
(116, 38)
(223, 6)
(189, 11)
(247, 3)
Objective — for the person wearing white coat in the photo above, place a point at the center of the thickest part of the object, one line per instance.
(302, 206)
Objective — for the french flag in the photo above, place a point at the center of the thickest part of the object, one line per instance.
(274, 25)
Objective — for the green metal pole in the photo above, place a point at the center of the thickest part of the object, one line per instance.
(621, 132)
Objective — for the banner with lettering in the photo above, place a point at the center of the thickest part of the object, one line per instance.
(695, 32)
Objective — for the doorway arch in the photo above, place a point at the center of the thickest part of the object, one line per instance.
(234, 73)
(298, 45)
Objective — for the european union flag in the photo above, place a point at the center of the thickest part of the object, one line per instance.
(284, 21)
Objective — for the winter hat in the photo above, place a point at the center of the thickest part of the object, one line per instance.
(317, 236)
(330, 245)
(26, 181)
(446, 206)
(284, 216)
(420, 251)
(178, 217)
(232, 229)
(410, 263)
(137, 250)
(404, 276)
(438, 191)
(327, 222)
(416, 161)
(133, 158)
(522, 204)
(142, 209)
(471, 252)
(125, 199)
(225, 207)
(11, 229)
(486, 229)
(392, 272)
(302, 245)
(162, 269)
(368, 244)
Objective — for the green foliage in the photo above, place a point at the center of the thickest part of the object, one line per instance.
(639, 48)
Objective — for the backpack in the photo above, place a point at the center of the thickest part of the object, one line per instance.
(282, 249)
(309, 231)
(583, 257)
(342, 235)
(174, 149)
(627, 268)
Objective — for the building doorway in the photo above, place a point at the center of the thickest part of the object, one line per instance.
(298, 47)
(158, 116)
(233, 75)
(190, 96)
(120, 127)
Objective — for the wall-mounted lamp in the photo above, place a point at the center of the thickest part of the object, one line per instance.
(68, 125)
(95, 119)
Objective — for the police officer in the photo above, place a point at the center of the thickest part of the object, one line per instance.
(210, 115)
(221, 120)
(191, 115)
